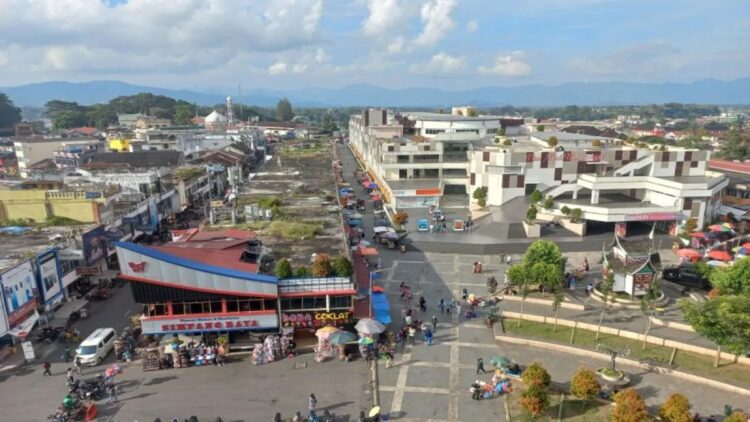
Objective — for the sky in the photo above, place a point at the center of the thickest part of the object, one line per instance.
(204, 45)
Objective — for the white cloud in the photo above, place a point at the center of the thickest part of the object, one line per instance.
(384, 16)
(631, 60)
(321, 56)
(507, 65)
(299, 68)
(396, 46)
(436, 16)
(472, 26)
(278, 68)
(440, 64)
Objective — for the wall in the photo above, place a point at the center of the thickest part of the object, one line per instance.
(79, 210)
(23, 204)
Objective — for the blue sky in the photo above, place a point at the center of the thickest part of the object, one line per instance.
(451, 44)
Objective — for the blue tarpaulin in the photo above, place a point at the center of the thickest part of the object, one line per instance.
(14, 230)
(381, 308)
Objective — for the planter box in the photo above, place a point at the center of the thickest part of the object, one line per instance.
(577, 228)
(532, 230)
(546, 216)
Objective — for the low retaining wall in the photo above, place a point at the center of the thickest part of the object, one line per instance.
(577, 228)
(624, 361)
(672, 324)
(623, 304)
(537, 301)
(629, 334)
(532, 230)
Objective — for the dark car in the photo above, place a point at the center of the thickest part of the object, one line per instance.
(686, 275)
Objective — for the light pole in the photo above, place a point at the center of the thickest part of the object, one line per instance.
(374, 379)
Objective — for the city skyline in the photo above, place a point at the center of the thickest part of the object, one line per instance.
(449, 44)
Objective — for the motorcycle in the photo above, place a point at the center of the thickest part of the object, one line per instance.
(49, 334)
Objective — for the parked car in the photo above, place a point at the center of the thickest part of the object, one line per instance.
(686, 275)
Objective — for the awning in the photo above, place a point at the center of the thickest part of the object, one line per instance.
(381, 308)
(23, 329)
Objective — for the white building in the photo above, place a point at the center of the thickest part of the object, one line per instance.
(32, 150)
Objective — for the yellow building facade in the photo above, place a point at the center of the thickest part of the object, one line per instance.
(119, 144)
(40, 204)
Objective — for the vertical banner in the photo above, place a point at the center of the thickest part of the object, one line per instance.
(50, 276)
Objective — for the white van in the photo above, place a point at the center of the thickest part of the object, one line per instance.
(96, 346)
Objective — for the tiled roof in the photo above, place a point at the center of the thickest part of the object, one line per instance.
(226, 258)
(726, 165)
(137, 159)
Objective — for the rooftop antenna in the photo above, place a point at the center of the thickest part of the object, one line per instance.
(230, 112)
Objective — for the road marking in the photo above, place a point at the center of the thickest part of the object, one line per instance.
(398, 392)
(126, 313)
(407, 389)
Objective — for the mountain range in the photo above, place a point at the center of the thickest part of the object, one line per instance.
(708, 91)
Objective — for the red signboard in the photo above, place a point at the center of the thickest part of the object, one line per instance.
(315, 319)
(654, 216)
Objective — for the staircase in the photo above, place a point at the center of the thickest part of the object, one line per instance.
(635, 165)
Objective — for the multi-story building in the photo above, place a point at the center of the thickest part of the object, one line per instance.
(417, 158)
(32, 150)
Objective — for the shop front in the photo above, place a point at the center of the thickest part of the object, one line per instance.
(20, 300)
(417, 198)
(312, 303)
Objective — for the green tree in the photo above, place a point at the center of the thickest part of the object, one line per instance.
(9, 113)
(629, 407)
(535, 401)
(472, 112)
(736, 146)
(480, 194)
(301, 272)
(676, 409)
(552, 141)
(69, 119)
(649, 307)
(342, 266)
(737, 416)
(283, 269)
(691, 224)
(723, 319)
(540, 128)
(565, 210)
(327, 124)
(101, 116)
(183, 115)
(544, 251)
(284, 110)
(584, 385)
(536, 196)
(321, 266)
(606, 289)
(575, 215)
(531, 214)
(536, 376)
(734, 280)
(549, 202)
(507, 143)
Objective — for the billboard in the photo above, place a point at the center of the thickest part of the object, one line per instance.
(50, 276)
(19, 292)
(94, 246)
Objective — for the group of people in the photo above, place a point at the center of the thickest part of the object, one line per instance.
(500, 383)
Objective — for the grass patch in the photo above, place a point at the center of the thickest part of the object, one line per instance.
(255, 226)
(731, 373)
(573, 409)
(294, 231)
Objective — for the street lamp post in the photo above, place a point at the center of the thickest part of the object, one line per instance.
(374, 379)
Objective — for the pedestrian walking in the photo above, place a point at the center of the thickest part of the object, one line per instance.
(312, 402)
(412, 333)
(77, 365)
(441, 305)
(66, 354)
(480, 366)
(422, 304)
(434, 323)
(112, 391)
(388, 359)
(507, 259)
(458, 311)
(46, 365)
(589, 288)
(464, 294)
(70, 374)
(427, 336)
(476, 390)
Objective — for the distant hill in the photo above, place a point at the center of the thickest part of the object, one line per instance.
(707, 91)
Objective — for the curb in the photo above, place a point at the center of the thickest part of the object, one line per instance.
(596, 355)
(536, 301)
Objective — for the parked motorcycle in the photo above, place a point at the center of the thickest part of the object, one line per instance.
(49, 334)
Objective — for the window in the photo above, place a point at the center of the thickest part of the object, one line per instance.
(341, 301)
(486, 156)
(688, 155)
(693, 164)
(391, 148)
(109, 336)
(687, 204)
(157, 309)
(433, 131)
(492, 130)
(426, 148)
(558, 174)
(473, 179)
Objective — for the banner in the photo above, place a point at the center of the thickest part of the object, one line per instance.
(20, 293)
(94, 246)
(50, 275)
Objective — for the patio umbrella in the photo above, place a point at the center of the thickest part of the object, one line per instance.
(746, 245)
(500, 361)
(377, 289)
(355, 222)
(728, 225)
(719, 255)
(717, 264)
(356, 216)
(374, 193)
(342, 337)
(719, 228)
(372, 185)
(369, 326)
(688, 253)
(743, 251)
(699, 235)
(375, 197)
(325, 332)
(366, 340)
(363, 243)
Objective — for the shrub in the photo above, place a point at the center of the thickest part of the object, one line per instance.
(507, 143)
(342, 266)
(401, 217)
(548, 203)
(283, 269)
(536, 196)
(536, 376)
(584, 384)
(676, 409)
(540, 128)
(294, 231)
(596, 143)
(552, 141)
(629, 407)
(480, 194)
(301, 272)
(321, 266)
(691, 224)
(565, 210)
(737, 416)
(497, 140)
(531, 214)
(576, 214)
(269, 202)
(534, 400)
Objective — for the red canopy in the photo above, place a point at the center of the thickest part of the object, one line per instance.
(377, 289)
(720, 255)
(368, 251)
(688, 253)
(746, 245)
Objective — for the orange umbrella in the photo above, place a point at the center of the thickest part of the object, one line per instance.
(746, 245)
(720, 255)
(377, 289)
(368, 251)
(688, 253)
